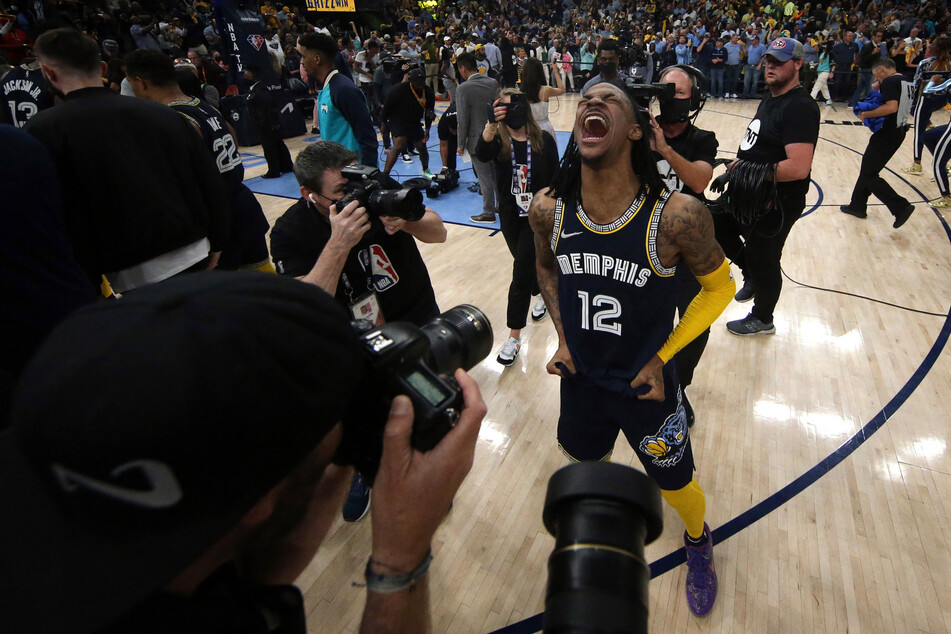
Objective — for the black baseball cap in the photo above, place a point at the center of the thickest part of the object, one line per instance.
(145, 428)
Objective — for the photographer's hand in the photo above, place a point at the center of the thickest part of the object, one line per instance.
(346, 229)
(347, 226)
(392, 224)
(411, 496)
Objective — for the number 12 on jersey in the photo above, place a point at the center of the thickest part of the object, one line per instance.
(604, 309)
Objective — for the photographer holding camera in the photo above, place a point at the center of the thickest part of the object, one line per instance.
(368, 261)
(194, 507)
(525, 158)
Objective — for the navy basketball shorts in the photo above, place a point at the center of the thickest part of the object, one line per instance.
(592, 416)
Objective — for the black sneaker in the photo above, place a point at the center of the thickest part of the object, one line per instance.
(746, 292)
(903, 216)
(749, 326)
(853, 212)
(414, 151)
(358, 500)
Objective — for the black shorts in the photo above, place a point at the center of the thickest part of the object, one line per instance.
(592, 416)
(412, 131)
(446, 128)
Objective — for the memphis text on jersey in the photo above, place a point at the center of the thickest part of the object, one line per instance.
(620, 270)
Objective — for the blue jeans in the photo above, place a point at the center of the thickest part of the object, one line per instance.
(716, 81)
(751, 81)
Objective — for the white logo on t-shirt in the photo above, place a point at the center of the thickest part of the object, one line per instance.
(751, 136)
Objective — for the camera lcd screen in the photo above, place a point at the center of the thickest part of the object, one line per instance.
(432, 392)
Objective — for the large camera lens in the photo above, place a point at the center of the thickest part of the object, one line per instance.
(602, 515)
(402, 203)
(459, 338)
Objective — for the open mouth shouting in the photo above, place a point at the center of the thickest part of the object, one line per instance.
(594, 127)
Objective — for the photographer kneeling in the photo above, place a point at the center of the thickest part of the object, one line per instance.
(368, 261)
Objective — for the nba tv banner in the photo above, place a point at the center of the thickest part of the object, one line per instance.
(241, 28)
(331, 5)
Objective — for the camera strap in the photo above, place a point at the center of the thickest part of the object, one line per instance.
(522, 176)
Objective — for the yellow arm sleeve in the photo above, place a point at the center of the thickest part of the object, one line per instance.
(716, 291)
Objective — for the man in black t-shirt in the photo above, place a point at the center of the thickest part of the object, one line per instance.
(783, 135)
(685, 155)
(898, 94)
(409, 103)
(349, 253)
(370, 265)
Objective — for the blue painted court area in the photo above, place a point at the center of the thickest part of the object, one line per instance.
(454, 207)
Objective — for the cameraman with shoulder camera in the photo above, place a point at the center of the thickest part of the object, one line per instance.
(685, 156)
(371, 266)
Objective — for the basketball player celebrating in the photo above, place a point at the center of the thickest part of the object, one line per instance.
(608, 239)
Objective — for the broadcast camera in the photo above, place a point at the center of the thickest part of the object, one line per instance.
(642, 93)
(362, 185)
(602, 515)
(395, 63)
(402, 358)
(442, 183)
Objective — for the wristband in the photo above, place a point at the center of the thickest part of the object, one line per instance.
(385, 584)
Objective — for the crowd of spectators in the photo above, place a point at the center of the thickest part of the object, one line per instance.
(560, 33)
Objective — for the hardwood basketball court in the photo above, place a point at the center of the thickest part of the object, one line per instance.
(862, 543)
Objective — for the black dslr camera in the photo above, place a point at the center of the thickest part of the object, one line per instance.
(402, 358)
(363, 185)
(641, 93)
(442, 183)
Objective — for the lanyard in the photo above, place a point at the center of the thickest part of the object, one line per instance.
(517, 186)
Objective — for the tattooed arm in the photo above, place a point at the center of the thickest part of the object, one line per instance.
(686, 230)
(541, 215)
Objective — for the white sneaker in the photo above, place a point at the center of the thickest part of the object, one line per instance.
(509, 351)
(539, 310)
(828, 102)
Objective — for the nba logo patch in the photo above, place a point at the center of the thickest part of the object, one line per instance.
(381, 269)
(256, 41)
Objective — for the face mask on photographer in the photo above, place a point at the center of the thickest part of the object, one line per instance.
(607, 69)
(674, 110)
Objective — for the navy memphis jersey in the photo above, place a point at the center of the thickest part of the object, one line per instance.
(616, 299)
(218, 137)
(24, 92)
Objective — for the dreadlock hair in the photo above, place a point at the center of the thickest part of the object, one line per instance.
(532, 129)
(567, 178)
